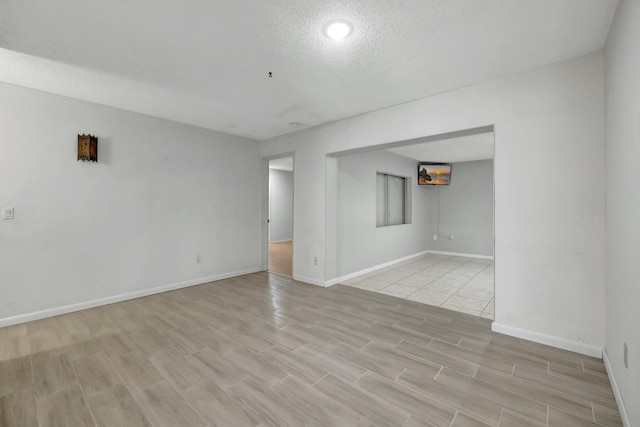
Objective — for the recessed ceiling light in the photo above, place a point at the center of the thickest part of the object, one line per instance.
(338, 30)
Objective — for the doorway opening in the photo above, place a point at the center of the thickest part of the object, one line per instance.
(444, 254)
(280, 216)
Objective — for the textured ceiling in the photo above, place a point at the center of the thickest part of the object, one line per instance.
(451, 150)
(205, 62)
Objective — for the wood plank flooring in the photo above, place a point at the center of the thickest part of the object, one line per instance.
(281, 258)
(262, 350)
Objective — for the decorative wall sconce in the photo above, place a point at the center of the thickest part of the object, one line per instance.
(87, 147)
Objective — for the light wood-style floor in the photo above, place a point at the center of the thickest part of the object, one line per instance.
(281, 258)
(261, 350)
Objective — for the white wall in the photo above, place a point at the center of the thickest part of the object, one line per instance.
(464, 209)
(360, 244)
(622, 69)
(280, 205)
(161, 195)
(549, 223)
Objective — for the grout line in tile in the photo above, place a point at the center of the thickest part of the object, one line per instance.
(35, 400)
(548, 410)
(365, 346)
(362, 348)
(453, 420)
(84, 396)
(442, 367)
(366, 371)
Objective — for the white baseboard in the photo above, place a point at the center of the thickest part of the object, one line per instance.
(563, 343)
(616, 390)
(309, 280)
(50, 312)
(370, 269)
(280, 241)
(461, 254)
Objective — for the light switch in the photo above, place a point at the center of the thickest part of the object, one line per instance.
(7, 213)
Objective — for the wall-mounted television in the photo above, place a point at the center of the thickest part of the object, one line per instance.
(434, 174)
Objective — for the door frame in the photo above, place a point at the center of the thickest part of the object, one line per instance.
(265, 210)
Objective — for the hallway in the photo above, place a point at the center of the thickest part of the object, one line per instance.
(281, 258)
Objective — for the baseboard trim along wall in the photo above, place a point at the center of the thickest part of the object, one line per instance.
(309, 280)
(374, 268)
(616, 390)
(563, 343)
(50, 312)
(461, 254)
(281, 241)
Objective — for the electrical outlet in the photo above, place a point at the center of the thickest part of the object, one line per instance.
(315, 260)
(7, 213)
(435, 237)
(626, 355)
(197, 259)
(451, 237)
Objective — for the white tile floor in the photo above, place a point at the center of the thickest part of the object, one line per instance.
(453, 282)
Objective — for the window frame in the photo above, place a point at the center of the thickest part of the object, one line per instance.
(406, 200)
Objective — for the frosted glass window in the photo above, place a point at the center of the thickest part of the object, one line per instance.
(391, 200)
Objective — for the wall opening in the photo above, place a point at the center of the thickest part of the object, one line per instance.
(280, 216)
(446, 251)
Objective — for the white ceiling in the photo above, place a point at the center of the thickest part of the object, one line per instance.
(205, 62)
(452, 150)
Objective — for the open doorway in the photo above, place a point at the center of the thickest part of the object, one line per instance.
(441, 250)
(280, 214)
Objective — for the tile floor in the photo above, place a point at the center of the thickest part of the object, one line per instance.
(263, 350)
(457, 283)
